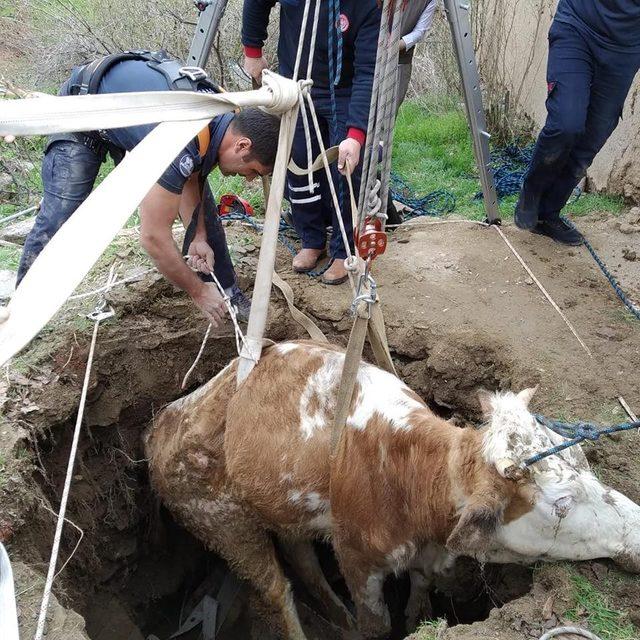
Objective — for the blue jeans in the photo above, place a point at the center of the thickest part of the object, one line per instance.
(69, 171)
(587, 88)
(314, 211)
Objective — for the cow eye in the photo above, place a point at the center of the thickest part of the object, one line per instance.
(562, 505)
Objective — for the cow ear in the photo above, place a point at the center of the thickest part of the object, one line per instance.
(476, 528)
(486, 403)
(526, 394)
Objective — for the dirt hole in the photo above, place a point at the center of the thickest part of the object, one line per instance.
(138, 574)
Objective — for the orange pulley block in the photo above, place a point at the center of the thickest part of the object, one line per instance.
(372, 242)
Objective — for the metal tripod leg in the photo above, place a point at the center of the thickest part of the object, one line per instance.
(211, 12)
(458, 15)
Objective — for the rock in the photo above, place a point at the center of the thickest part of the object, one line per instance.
(5, 182)
(629, 254)
(528, 281)
(7, 283)
(628, 229)
(547, 609)
(25, 166)
(607, 333)
(18, 231)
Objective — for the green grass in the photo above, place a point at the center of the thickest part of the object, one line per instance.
(10, 257)
(432, 150)
(429, 630)
(594, 607)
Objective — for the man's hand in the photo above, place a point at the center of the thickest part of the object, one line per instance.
(254, 67)
(201, 256)
(348, 153)
(402, 45)
(210, 302)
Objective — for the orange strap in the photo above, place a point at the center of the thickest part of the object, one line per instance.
(204, 138)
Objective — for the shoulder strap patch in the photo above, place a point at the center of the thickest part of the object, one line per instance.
(204, 139)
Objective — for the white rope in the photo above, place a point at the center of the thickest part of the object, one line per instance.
(67, 483)
(314, 36)
(240, 338)
(543, 290)
(332, 187)
(307, 137)
(303, 31)
(569, 631)
(117, 283)
(195, 362)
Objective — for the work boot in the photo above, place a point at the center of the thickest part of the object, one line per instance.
(559, 230)
(306, 260)
(336, 273)
(241, 303)
(526, 212)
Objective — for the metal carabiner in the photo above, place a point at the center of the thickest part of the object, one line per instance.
(195, 74)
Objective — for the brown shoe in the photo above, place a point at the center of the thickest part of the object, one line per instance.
(336, 273)
(306, 260)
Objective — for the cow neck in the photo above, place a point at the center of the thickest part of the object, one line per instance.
(450, 467)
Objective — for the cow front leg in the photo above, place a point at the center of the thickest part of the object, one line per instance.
(365, 585)
(302, 557)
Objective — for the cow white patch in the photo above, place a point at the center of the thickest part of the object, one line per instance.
(313, 503)
(400, 557)
(383, 394)
(283, 348)
(380, 393)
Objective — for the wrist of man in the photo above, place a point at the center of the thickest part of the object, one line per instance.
(252, 52)
(195, 286)
(357, 134)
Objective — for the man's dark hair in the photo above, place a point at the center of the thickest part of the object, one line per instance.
(263, 129)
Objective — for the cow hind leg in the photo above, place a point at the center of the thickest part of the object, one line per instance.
(250, 552)
(304, 561)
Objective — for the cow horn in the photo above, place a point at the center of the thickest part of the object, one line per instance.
(509, 469)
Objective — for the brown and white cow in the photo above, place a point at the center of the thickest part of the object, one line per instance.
(404, 490)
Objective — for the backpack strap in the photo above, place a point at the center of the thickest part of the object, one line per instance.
(91, 74)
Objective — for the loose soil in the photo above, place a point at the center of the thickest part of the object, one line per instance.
(461, 314)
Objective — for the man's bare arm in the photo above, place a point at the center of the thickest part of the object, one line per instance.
(158, 211)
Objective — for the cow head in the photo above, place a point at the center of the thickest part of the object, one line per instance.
(555, 509)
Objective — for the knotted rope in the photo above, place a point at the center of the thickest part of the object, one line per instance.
(575, 434)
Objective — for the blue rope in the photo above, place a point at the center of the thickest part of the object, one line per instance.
(334, 79)
(607, 274)
(575, 433)
(436, 203)
(335, 29)
(285, 234)
(509, 165)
